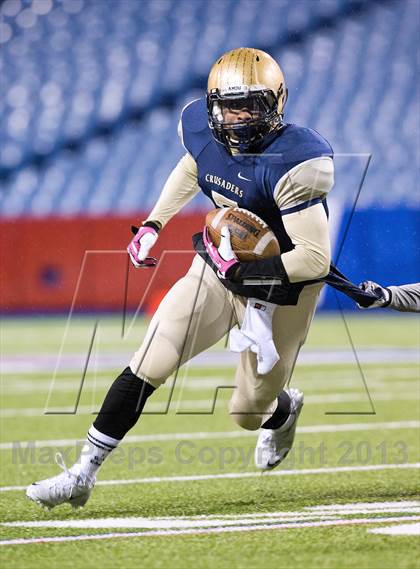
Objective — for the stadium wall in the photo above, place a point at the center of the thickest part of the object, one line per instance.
(377, 244)
(49, 264)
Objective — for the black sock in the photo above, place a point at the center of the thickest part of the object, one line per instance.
(280, 415)
(123, 405)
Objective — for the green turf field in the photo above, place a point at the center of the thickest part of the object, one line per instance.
(182, 491)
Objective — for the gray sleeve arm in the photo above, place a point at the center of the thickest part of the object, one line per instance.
(405, 298)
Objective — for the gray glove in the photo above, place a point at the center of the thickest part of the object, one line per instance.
(383, 293)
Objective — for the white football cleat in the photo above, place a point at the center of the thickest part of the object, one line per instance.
(66, 487)
(273, 445)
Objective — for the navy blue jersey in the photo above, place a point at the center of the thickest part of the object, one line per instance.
(248, 181)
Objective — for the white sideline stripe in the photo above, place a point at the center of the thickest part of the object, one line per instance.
(310, 429)
(401, 529)
(297, 525)
(237, 475)
(204, 404)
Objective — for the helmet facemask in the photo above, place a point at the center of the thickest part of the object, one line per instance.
(258, 109)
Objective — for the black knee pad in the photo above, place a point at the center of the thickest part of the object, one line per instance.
(123, 405)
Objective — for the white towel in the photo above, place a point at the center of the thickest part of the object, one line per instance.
(256, 334)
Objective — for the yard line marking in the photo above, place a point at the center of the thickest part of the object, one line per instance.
(337, 381)
(364, 505)
(329, 509)
(181, 522)
(72, 383)
(400, 529)
(347, 511)
(13, 383)
(164, 523)
(310, 429)
(204, 404)
(47, 362)
(237, 475)
(327, 523)
(344, 383)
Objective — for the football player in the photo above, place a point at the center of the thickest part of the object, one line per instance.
(239, 152)
(404, 298)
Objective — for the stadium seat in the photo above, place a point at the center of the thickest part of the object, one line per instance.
(90, 112)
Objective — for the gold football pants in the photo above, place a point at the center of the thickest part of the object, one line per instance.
(196, 313)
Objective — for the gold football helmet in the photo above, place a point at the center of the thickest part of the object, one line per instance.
(246, 95)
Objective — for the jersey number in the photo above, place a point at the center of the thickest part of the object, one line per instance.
(221, 201)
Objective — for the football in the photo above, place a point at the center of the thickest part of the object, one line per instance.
(251, 237)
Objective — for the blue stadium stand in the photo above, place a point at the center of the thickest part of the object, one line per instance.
(94, 90)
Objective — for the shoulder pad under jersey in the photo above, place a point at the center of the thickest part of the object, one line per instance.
(297, 144)
(195, 131)
(293, 146)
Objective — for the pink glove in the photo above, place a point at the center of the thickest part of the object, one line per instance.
(223, 257)
(140, 246)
